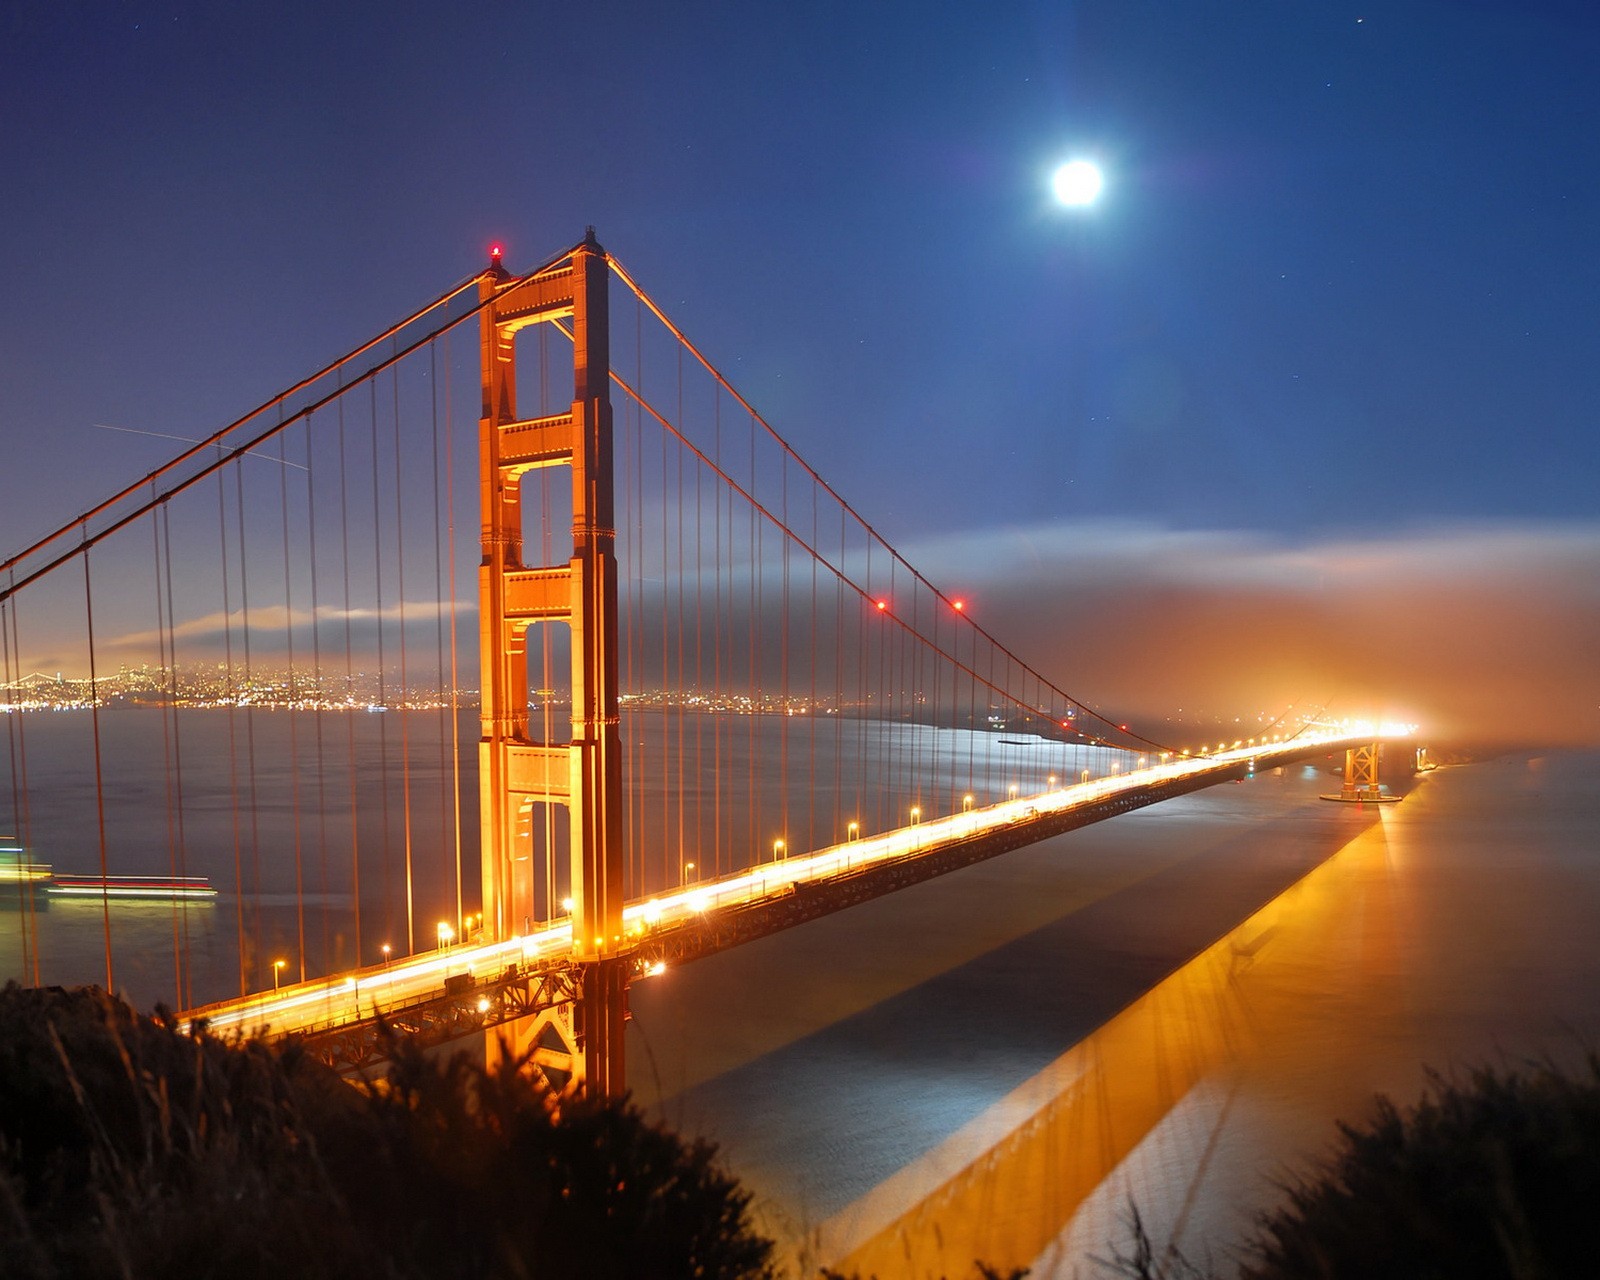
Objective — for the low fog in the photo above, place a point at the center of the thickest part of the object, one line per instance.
(1479, 632)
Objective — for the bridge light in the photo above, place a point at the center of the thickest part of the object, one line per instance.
(966, 804)
(853, 831)
(1013, 790)
(277, 972)
(483, 1004)
(958, 605)
(882, 605)
(496, 251)
(777, 850)
(567, 904)
(446, 934)
(916, 813)
(1052, 781)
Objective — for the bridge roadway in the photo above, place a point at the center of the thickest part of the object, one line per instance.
(349, 1020)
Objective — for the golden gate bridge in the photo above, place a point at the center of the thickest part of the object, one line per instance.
(707, 700)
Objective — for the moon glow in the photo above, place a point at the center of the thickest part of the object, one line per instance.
(1077, 183)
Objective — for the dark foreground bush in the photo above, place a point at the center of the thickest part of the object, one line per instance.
(1495, 1176)
(129, 1150)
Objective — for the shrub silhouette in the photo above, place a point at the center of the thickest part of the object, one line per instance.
(127, 1149)
(1495, 1176)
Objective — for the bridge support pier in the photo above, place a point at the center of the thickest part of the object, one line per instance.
(1361, 778)
(579, 1045)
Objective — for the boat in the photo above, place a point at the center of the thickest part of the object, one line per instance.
(93, 886)
(17, 865)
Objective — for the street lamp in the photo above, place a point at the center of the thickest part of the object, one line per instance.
(446, 935)
(1013, 790)
(777, 850)
(688, 871)
(966, 804)
(1085, 777)
(1052, 782)
(386, 949)
(853, 831)
(277, 972)
(916, 814)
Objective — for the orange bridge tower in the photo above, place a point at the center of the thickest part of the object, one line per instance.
(579, 1042)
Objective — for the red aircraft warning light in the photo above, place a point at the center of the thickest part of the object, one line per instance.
(958, 605)
(882, 605)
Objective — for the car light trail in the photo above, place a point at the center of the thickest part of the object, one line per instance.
(393, 984)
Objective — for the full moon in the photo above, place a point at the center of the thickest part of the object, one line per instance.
(1077, 183)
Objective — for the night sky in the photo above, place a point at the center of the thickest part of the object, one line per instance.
(1304, 407)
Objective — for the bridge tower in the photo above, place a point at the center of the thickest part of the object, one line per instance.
(582, 1041)
(1361, 777)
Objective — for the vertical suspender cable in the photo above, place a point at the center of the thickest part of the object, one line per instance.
(177, 833)
(678, 699)
(404, 705)
(664, 715)
(319, 707)
(233, 746)
(249, 709)
(99, 782)
(438, 625)
(292, 711)
(783, 655)
(717, 630)
(349, 690)
(163, 665)
(812, 835)
(17, 740)
(383, 688)
(699, 664)
(450, 550)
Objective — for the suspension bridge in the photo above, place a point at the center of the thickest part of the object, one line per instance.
(706, 701)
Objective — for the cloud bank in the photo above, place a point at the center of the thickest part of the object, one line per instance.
(1479, 631)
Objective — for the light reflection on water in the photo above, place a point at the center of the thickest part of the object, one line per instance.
(280, 811)
(993, 1064)
(908, 1126)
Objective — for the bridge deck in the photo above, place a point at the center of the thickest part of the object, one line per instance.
(468, 987)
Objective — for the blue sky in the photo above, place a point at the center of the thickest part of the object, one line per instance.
(1341, 298)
